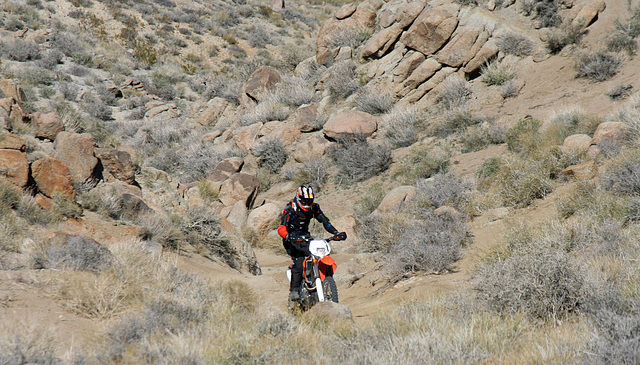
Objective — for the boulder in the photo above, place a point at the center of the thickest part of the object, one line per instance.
(468, 39)
(162, 112)
(584, 171)
(10, 141)
(610, 131)
(239, 187)
(488, 51)
(12, 90)
(261, 82)
(431, 29)
(350, 122)
(378, 45)
(429, 85)
(577, 142)
(346, 11)
(261, 218)
(277, 4)
(236, 215)
(246, 137)
(77, 152)
(47, 125)
(14, 167)
(410, 62)
(588, 13)
(285, 132)
(225, 168)
(52, 177)
(211, 137)
(422, 73)
(243, 258)
(395, 199)
(305, 118)
(311, 148)
(214, 109)
(11, 113)
(118, 164)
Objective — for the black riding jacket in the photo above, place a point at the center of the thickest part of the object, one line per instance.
(296, 221)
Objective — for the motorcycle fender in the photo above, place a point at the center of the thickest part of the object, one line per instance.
(325, 262)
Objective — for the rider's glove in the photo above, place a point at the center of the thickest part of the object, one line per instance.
(341, 236)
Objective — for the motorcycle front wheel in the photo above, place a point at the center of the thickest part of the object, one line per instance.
(330, 289)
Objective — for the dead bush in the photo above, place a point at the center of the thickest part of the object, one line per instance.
(314, 172)
(621, 175)
(453, 93)
(422, 162)
(357, 159)
(515, 44)
(201, 228)
(443, 189)
(342, 81)
(401, 126)
(615, 339)
(373, 101)
(562, 37)
(80, 253)
(598, 66)
(271, 154)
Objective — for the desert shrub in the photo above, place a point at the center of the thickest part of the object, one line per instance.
(400, 126)
(292, 55)
(348, 37)
(488, 170)
(370, 200)
(293, 92)
(545, 11)
(313, 172)
(453, 92)
(201, 228)
(431, 244)
(266, 111)
(515, 44)
(587, 198)
(258, 36)
(357, 159)
(105, 95)
(67, 43)
(35, 76)
(342, 82)
(524, 136)
(443, 189)
(509, 89)
(455, 120)
(51, 59)
(598, 66)
(28, 343)
(619, 91)
(497, 73)
(271, 154)
(29, 209)
(621, 175)
(615, 339)
(225, 88)
(475, 138)
(539, 278)
(154, 227)
(21, 51)
(621, 42)
(423, 162)
(378, 233)
(9, 195)
(562, 37)
(80, 253)
(372, 101)
(97, 108)
(207, 190)
(521, 181)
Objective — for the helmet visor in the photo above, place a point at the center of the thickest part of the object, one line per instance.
(306, 202)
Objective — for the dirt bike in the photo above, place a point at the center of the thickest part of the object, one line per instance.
(318, 284)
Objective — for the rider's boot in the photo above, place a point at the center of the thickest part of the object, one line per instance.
(294, 296)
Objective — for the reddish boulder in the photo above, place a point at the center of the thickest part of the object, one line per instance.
(610, 131)
(225, 168)
(584, 171)
(10, 141)
(11, 90)
(47, 125)
(117, 163)
(350, 122)
(77, 152)
(306, 115)
(239, 187)
(432, 29)
(52, 177)
(14, 167)
(261, 82)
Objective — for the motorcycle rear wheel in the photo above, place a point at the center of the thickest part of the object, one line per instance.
(330, 289)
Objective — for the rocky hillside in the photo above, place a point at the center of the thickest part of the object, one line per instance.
(481, 155)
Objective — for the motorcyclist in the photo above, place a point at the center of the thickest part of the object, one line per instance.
(294, 230)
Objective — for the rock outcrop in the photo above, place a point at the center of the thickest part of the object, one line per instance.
(52, 177)
(77, 152)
